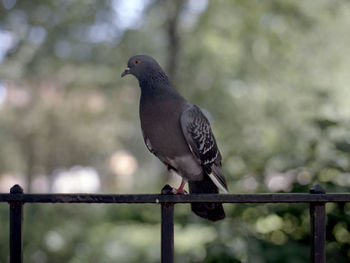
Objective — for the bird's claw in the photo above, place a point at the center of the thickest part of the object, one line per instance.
(178, 191)
(168, 190)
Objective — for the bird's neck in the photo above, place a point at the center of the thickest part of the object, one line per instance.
(157, 85)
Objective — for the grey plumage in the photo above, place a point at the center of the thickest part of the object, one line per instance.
(178, 133)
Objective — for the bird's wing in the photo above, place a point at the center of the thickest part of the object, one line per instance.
(200, 139)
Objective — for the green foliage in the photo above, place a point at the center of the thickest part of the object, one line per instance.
(272, 75)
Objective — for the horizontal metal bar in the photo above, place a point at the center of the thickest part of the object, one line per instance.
(188, 198)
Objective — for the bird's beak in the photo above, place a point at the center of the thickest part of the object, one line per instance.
(126, 72)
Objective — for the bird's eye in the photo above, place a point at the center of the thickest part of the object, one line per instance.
(136, 62)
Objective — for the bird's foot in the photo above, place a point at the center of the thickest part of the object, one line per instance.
(178, 191)
(168, 190)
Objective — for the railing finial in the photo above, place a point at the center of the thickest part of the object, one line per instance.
(16, 189)
(167, 190)
(317, 189)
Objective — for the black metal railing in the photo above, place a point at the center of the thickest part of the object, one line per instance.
(317, 199)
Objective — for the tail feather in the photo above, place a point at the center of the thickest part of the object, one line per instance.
(211, 211)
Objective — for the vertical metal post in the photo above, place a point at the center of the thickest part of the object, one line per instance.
(167, 235)
(318, 227)
(16, 216)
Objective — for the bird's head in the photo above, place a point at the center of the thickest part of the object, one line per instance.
(139, 65)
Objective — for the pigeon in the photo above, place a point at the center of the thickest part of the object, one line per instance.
(178, 133)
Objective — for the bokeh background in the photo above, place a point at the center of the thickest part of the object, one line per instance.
(273, 77)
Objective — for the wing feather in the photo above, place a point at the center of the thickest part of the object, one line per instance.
(201, 141)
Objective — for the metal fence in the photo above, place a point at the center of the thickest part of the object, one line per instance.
(317, 199)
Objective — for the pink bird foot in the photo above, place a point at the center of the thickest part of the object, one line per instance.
(180, 190)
